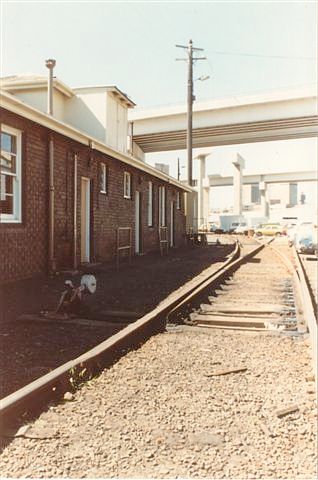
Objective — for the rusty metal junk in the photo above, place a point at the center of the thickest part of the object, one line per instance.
(71, 301)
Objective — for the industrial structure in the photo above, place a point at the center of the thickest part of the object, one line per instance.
(280, 115)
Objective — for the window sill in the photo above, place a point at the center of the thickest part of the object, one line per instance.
(9, 219)
(103, 192)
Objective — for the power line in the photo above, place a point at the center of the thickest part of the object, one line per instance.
(214, 52)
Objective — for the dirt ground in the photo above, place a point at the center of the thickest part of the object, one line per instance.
(29, 349)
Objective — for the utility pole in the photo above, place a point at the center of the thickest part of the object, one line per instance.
(191, 98)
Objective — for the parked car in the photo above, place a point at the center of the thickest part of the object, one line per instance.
(242, 228)
(305, 239)
(270, 229)
(213, 227)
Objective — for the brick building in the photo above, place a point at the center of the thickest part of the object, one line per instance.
(92, 189)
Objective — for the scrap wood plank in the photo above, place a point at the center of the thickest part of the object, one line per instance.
(228, 320)
(227, 371)
(286, 411)
(245, 309)
(240, 328)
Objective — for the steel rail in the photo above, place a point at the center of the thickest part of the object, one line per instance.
(305, 305)
(309, 312)
(223, 272)
(51, 387)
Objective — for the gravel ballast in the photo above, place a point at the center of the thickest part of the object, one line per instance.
(161, 412)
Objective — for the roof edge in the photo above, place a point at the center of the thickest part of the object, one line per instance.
(108, 88)
(34, 84)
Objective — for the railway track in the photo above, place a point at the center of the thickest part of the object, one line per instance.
(309, 266)
(259, 295)
(249, 291)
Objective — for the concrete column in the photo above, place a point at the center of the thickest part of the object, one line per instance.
(206, 202)
(201, 218)
(239, 164)
(264, 199)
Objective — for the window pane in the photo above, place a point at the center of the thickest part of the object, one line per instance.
(103, 177)
(9, 184)
(6, 194)
(8, 142)
(8, 163)
(127, 184)
(2, 187)
(6, 206)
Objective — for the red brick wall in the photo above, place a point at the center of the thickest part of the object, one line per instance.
(24, 247)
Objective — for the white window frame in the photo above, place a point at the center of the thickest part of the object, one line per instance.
(103, 174)
(16, 216)
(127, 185)
(162, 206)
(150, 204)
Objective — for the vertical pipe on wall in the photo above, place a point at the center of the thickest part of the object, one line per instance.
(50, 64)
(52, 262)
(75, 215)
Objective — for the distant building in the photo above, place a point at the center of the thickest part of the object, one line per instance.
(162, 168)
(278, 193)
(283, 194)
(251, 194)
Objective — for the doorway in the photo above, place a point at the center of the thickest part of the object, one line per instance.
(85, 219)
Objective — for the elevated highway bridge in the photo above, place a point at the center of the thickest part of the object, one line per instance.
(280, 115)
(282, 177)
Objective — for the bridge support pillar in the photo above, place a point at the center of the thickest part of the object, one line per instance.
(239, 164)
(264, 199)
(203, 192)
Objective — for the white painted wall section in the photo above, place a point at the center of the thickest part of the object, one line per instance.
(87, 112)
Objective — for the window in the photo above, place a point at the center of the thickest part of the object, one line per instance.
(10, 175)
(103, 178)
(178, 201)
(162, 206)
(127, 185)
(150, 204)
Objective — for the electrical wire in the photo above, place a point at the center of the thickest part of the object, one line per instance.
(214, 52)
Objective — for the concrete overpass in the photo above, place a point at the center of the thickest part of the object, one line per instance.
(238, 180)
(280, 115)
(290, 177)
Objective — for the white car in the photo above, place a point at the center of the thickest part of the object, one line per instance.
(305, 239)
(241, 228)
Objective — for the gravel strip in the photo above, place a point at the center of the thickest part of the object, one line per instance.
(158, 413)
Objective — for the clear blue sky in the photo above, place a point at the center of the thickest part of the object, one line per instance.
(263, 45)
(251, 46)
